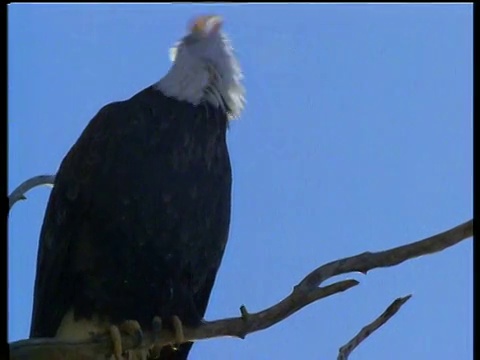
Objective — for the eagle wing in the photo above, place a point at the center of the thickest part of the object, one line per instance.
(68, 211)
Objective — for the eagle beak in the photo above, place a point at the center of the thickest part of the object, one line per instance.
(207, 25)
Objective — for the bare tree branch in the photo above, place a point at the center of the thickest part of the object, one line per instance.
(345, 351)
(19, 193)
(43, 349)
(306, 292)
(368, 260)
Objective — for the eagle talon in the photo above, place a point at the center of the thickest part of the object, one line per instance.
(130, 327)
(157, 327)
(178, 330)
(117, 342)
(154, 351)
(133, 328)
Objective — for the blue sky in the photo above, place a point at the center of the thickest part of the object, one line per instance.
(357, 136)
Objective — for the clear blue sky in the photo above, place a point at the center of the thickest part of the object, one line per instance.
(357, 136)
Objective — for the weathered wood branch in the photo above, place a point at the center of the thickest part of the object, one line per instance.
(345, 351)
(306, 292)
(43, 349)
(19, 193)
(368, 260)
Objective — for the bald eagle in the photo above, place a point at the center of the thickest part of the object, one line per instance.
(138, 218)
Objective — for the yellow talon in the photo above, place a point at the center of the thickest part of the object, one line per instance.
(117, 342)
(178, 328)
(130, 327)
(133, 328)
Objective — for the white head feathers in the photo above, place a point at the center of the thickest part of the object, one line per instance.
(205, 69)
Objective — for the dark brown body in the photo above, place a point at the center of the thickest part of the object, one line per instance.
(138, 219)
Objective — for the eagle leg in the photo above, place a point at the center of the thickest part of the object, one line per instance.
(178, 330)
(130, 327)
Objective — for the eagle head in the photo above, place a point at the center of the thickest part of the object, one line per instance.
(205, 68)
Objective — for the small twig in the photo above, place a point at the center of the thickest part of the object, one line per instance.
(244, 312)
(345, 351)
(19, 193)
